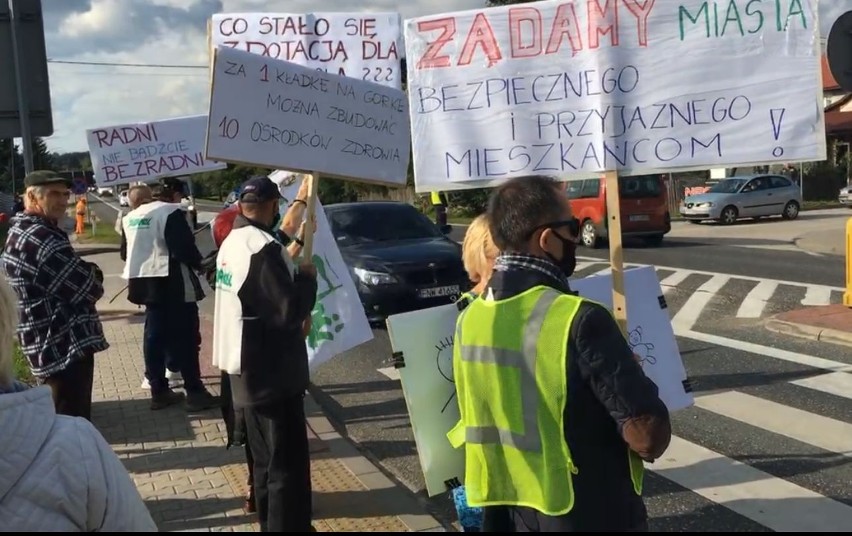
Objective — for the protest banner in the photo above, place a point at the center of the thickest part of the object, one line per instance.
(145, 152)
(281, 115)
(425, 340)
(339, 322)
(574, 89)
(367, 46)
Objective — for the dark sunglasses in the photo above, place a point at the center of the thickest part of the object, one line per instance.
(573, 226)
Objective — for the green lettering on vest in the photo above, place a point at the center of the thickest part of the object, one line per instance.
(139, 223)
(223, 277)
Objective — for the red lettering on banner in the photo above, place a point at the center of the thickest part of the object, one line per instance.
(531, 16)
(602, 21)
(480, 35)
(565, 24)
(641, 13)
(430, 58)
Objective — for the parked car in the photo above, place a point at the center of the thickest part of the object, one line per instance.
(233, 197)
(747, 196)
(104, 190)
(845, 196)
(399, 259)
(124, 199)
(644, 208)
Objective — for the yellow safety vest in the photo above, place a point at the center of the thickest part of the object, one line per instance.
(436, 199)
(509, 364)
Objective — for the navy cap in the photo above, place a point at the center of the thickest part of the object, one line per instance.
(259, 189)
(45, 177)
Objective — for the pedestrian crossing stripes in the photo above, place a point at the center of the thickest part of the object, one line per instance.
(769, 445)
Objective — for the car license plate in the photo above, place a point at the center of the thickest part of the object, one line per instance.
(639, 217)
(438, 292)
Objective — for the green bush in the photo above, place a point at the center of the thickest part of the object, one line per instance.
(22, 367)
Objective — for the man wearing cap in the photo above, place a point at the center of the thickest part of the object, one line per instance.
(59, 330)
(160, 265)
(263, 306)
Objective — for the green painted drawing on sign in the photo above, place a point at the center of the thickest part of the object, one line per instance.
(324, 324)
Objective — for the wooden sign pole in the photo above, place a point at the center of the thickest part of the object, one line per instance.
(616, 252)
(310, 215)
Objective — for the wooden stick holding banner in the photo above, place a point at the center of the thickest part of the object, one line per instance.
(616, 251)
(310, 216)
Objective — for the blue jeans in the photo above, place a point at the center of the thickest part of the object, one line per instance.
(172, 334)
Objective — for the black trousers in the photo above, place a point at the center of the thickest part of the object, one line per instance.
(282, 466)
(172, 336)
(72, 388)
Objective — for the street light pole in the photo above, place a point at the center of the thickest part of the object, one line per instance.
(23, 104)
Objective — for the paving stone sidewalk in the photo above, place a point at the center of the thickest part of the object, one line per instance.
(188, 479)
(830, 323)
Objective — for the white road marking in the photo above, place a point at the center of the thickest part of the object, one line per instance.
(671, 282)
(688, 315)
(833, 383)
(390, 372)
(754, 303)
(803, 426)
(817, 295)
(773, 502)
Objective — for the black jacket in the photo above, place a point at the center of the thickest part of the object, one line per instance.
(182, 284)
(274, 356)
(611, 403)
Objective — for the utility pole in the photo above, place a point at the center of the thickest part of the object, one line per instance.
(23, 103)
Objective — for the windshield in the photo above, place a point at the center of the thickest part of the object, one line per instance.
(639, 186)
(377, 222)
(728, 186)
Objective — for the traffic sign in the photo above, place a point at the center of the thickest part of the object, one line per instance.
(79, 186)
(839, 51)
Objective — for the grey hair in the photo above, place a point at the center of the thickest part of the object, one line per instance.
(8, 324)
(37, 191)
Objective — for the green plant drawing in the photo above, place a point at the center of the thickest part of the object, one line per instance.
(324, 325)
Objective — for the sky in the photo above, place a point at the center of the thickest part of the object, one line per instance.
(171, 32)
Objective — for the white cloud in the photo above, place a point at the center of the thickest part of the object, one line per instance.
(155, 31)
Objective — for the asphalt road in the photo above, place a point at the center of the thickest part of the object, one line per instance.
(768, 445)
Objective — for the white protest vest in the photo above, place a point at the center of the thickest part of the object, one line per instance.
(145, 231)
(232, 268)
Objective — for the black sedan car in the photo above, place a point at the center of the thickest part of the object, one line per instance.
(399, 259)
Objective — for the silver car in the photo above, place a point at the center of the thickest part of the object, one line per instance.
(845, 196)
(749, 196)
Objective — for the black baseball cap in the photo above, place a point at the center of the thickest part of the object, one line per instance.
(258, 189)
(45, 177)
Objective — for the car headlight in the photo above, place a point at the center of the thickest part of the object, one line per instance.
(373, 279)
(707, 204)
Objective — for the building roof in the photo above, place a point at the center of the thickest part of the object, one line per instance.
(828, 81)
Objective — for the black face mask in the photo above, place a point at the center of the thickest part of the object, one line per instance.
(568, 262)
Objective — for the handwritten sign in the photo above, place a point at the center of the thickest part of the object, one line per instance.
(149, 151)
(575, 88)
(425, 339)
(281, 115)
(338, 321)
(360, 45)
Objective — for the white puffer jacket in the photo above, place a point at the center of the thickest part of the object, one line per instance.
(58, 474)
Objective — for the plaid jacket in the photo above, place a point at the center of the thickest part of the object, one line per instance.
(56, 290)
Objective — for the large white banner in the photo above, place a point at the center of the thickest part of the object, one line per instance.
(339, 322)
(360, 45)
(149, 151)
(277, 114)
(575, 88)
(425, 339)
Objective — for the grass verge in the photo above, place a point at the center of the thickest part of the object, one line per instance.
(22, 367)
(102, 234)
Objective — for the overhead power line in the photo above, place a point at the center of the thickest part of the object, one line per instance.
(113, 64)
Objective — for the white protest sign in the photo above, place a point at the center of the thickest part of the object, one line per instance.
(359, 45)
(575, 88)
(425, 339)
(274, 113)
(338, 319)
(148, 151)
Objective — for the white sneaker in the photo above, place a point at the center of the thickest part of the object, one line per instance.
(175, 380)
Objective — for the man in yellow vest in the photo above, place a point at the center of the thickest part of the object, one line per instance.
(556, 413)
(439, 203)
